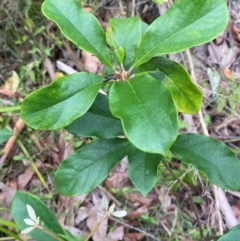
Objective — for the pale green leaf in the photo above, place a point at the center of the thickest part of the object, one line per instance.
(186, 94)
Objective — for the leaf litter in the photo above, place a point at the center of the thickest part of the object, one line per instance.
(81, 213)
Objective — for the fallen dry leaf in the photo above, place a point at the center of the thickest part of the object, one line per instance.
(66, 211)
(133, 236)
(137, 213)
(90, 62)
(6, 196)
(75, 231)
(95, 215)
(115, 180)
(82, 214)
(115, 235)
(137, 199)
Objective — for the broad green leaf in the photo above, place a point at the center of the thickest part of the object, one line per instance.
(187, 23)
(81, 27)
(142, 168)
(5, 134)
(186, 94)
(60, 103)
(232, 235)
(213, 157)
(20, 212)
(85, 169)
(97, 121)
(126, 33)
(147, 111)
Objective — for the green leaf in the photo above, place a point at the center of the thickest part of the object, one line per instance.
(98, 121)
(20, 212)
(220, 164)
(85, 169)
(232, 235)
(186, 94)
(126, 33)
(60, 103)
(147, 111)
(142, 168)
(187, 23)
(81, 27)
(5, 134)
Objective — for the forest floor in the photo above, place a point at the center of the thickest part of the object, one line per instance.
(31, 52)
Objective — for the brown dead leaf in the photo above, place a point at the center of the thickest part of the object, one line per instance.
(222, 54)
(75, 231)
(6, 196)
(137, 199)
(65, 208)
(115, 180)
(95, 215)
(50, 68)
(82, 214)
(133, 236)
(137, 213)
(6, 92)
(231, 74)
(115, 235)
(90, 62)
(236, 32)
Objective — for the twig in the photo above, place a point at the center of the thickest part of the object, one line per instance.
(189, 194)
(133, 8)
(11, 141)
(136, 229)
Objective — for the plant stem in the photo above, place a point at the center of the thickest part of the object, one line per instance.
(96, 227)
(50, 233)
(189, 194)
(8, 109)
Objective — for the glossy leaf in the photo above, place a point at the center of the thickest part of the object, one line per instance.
(185, 24)
(186, 94)
(213, 157)
(86, 168)
(97, 121)
(126, 33)
(147, 111)
(142, 169)
(5, 134)
(60, 103)
(81, 27)
(232, 235)
(20, 212)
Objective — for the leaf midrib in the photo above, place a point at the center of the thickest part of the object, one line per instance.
(172, 35)
(94, 162)
(73, 26)
(58, 103)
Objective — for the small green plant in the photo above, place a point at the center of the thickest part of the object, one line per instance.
(138, 117)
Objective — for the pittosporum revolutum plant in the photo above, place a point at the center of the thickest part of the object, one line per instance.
(147, 92)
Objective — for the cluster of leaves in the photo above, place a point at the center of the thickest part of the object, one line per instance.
(147, 91)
